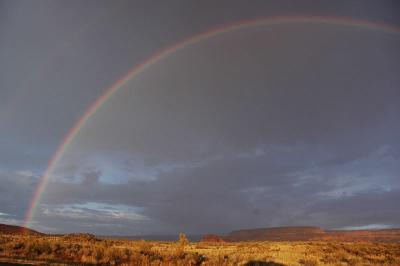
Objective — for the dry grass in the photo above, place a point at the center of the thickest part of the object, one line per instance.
(91, 251)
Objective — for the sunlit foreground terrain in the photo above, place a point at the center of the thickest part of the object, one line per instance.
(88, 250)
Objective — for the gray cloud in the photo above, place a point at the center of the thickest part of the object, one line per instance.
(261, 127)
(234, 193)
(16, 190)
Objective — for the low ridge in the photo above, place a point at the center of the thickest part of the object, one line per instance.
(17, 230)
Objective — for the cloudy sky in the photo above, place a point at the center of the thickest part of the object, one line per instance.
(294, 123)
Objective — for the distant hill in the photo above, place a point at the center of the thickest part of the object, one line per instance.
(312, 233)
(17, 230)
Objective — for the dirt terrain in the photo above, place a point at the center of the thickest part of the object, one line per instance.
(65, 250)
(86, 249)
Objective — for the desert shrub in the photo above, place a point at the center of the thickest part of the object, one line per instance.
(308, 262)
(179, 249)
(38, 248)
(76, 248)
(4, 240)
(183, 239)
(80, 237)
(115, 256)
(57, 249)
(154, 257)
(197, 258)
(98, 253)
(263, 263)
(144, 246)
(390, 260)
(19, 245)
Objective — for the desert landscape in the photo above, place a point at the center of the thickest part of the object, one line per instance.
(274, 246)
(174, 133)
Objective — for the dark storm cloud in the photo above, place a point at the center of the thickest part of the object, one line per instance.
(240, 133)
(59, 56)
(234, 101)
(284, 125)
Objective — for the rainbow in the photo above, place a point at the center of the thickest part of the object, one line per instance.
(164, 53)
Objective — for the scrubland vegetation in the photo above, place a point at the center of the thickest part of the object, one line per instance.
(88, 250)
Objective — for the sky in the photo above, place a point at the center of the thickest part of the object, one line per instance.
(292, 123)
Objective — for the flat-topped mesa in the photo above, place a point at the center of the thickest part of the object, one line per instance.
(292, 233)
(17, 230)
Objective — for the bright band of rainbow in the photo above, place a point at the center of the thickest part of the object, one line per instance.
(73, 132)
